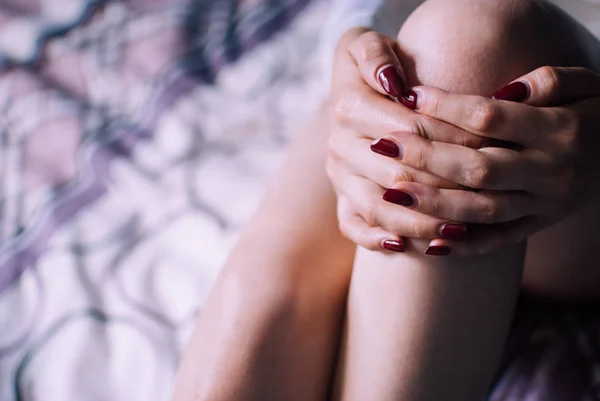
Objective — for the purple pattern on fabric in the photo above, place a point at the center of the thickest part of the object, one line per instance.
(25, 252)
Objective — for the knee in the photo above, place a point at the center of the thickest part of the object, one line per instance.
(476, 46)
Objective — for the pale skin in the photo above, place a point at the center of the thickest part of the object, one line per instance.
(271, 329)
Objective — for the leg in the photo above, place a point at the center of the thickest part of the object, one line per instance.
(425, 328)
(270, 328)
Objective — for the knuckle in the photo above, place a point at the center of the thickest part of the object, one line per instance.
(416, 153)
(423, 126)
(484, 116)
(398, 175)
(421, 160)
(549, 78)
(367, 37)
(370, 47)
(344, 107)
(480, 174)
(489, 212)
(434, 206)
(419, 230)
(431, 106)
(369, 214)
(562, 117)
(411, 227)
(568, 139)
(477, 177)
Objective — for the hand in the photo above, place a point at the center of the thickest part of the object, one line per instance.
(367, 102)
(553, 170)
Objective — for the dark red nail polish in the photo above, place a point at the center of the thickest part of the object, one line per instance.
(399, 197)
(454, 231)
(514, 92)
(391, 81)
(438, 251)
(385, 147)
(394, 246)
(409, 99)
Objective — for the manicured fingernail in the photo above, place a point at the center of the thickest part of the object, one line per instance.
(514, 92)
(409, 99)
(454, 231)
(386, 147)
(438, 251)
(399, 197)
(391, 81)
(391, 245)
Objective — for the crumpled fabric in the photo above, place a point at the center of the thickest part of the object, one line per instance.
(125, 126)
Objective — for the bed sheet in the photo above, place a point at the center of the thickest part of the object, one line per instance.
(131, 151)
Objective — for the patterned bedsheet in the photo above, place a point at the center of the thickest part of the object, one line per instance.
(120, 148)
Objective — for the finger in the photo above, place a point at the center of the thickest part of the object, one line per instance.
(378, 161)
(485, 207)
(506, 121)
(486, 239)
(487, 168)
(378, 63)
(356, 229)
(550, 86)
(373, 116)
(367, 199)
(440, 247)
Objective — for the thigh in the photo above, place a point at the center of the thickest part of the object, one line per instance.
(270, 327)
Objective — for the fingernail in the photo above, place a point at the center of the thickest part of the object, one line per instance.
(399, 197)
(394, 246)
(438, 251)
(385, 147)
(514, 92)
(391, 81)
(409, 99)
(454, 231)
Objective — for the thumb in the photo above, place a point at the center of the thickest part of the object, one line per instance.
(378, 63)
(551, 86)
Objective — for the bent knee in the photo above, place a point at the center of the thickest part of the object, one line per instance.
(476, 46)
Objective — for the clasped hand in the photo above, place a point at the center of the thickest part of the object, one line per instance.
(469, 174)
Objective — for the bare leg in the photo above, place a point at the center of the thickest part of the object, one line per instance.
(271, 326)
(423, 328)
